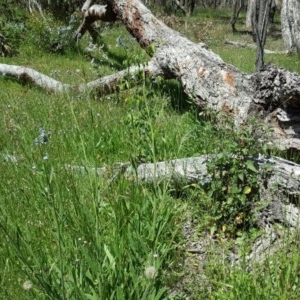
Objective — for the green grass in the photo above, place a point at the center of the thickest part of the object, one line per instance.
(213, 27)
(84, 236)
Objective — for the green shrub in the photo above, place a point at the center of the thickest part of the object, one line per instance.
(231, 189)
(48, 35)
(12, 22)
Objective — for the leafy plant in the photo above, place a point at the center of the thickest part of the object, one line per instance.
(232, 189)
(12, 22)
(51, 36)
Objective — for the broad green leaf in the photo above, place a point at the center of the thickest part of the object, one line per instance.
(250, 166)
(241, 176)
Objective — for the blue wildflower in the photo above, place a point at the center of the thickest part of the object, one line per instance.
(43, 137)
(205, 180)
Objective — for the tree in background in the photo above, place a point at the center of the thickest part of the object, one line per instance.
(237, 7)
(61, 9)
(187, 6)
(252, 9)
(290, 24)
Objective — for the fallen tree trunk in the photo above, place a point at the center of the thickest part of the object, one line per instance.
(272, 95)
(278, 202)
(280, 181)
(279, 188)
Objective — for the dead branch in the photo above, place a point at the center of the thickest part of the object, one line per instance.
(29, 75)
(104, 85)
(252, 46)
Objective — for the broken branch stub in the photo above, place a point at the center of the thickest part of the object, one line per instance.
(91, 14)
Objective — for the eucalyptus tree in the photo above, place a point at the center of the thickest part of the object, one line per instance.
(187, 6)
(290, 23)
(260, 21)
(237, 7)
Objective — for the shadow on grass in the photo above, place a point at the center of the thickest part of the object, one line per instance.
(180, 102)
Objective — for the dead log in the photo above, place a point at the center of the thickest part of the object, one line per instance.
(280, 182)
(104, 85)
(272, 94)
(279, 189)
(278, 204)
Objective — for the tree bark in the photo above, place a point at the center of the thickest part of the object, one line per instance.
(259, 27)
(290, 23)
(187, 6)
(250, 11)
(237, 7)
(272, 94)
(91, 13)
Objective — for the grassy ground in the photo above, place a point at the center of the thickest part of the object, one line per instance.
(74, 236)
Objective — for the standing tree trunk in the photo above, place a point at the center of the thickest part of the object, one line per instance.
(290, 23)
(260, 22)
(251, 10)
(187, 6)
(237, 7)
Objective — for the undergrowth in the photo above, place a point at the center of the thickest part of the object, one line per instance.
(68, 235)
